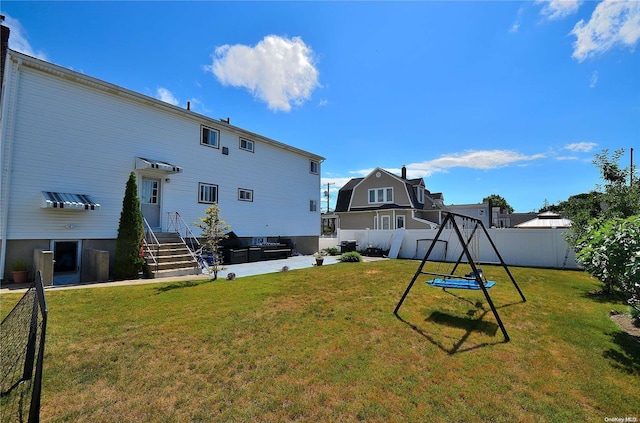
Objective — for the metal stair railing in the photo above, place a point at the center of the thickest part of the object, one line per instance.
(151, 243)
(177, 223)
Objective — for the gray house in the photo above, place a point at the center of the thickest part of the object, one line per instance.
(384, 201)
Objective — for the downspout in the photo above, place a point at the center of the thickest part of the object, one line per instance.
(6, 150)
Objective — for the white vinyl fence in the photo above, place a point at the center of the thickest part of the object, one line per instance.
(518, 247)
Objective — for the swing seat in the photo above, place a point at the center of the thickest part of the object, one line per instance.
(459, 283)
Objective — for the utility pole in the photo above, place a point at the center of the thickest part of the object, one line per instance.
(631, 170)
(326, 193)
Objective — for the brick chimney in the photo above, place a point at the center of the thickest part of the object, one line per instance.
(4, 47)
(404, 172)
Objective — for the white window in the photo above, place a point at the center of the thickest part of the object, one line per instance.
(386, 222)
(149, 191)
(314, 167)
(207, 193)
(246, 145)
(210, 137)
(420, 194)
(313, 205)
(245, 194)
(380, 195)
(400, 221)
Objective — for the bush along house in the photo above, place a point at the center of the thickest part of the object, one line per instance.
(69, 143)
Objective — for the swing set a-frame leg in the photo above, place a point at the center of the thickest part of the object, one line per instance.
(480, 283)
(424, 260)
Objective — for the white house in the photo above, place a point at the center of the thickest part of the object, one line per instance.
(70, 141)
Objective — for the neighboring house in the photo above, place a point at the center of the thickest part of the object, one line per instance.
(382, 200)
(70, 141)
(502, 219)
(546, 220)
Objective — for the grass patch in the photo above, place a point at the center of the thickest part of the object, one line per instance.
(322, 344)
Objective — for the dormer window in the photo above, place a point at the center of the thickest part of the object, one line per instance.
(420, 194)
(381, 195)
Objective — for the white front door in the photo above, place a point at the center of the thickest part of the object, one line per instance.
(66, 262)
(150, 201)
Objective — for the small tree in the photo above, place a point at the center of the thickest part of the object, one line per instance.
(498, 201)
(213, 228)
(129, 252)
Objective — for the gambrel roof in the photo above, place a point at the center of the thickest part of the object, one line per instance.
(345, 194)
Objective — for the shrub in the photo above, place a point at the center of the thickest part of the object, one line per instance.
(610, 251)
(331, 251)
(352, 257)
(129, 244)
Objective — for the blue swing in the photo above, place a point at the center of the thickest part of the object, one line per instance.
(459, 283)
(467, 282)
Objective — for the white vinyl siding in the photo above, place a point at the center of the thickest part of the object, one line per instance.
(122, 128)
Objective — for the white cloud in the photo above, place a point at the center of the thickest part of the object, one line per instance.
(612, 23)
(166, 96)
(594, 79)
(581, 147)
(18, 39)
(278, 71)
(516, 25)
(558, 9)
(471, 159)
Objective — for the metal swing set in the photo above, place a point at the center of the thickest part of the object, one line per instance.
(468, 238)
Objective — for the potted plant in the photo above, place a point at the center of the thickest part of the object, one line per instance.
(20, 271)
(319, 259)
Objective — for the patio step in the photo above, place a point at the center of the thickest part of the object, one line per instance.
(172, 258)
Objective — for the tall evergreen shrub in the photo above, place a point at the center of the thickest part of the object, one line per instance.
(129, 252)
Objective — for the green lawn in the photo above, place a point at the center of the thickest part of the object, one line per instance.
(323, 344)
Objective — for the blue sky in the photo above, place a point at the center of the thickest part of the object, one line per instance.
(478, 98)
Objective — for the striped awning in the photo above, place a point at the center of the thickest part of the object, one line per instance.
(142, 163)
(64, 200)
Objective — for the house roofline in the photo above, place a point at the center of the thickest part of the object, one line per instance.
(25, 60)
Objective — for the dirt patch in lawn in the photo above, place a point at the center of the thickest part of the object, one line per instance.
(626, 322)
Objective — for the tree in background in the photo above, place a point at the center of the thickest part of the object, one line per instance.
(580, 209)
(621, 199)
(498, 201)
(129, 244)
(608, 246)
(213, 228)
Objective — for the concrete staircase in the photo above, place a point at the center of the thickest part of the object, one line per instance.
(173, 258)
